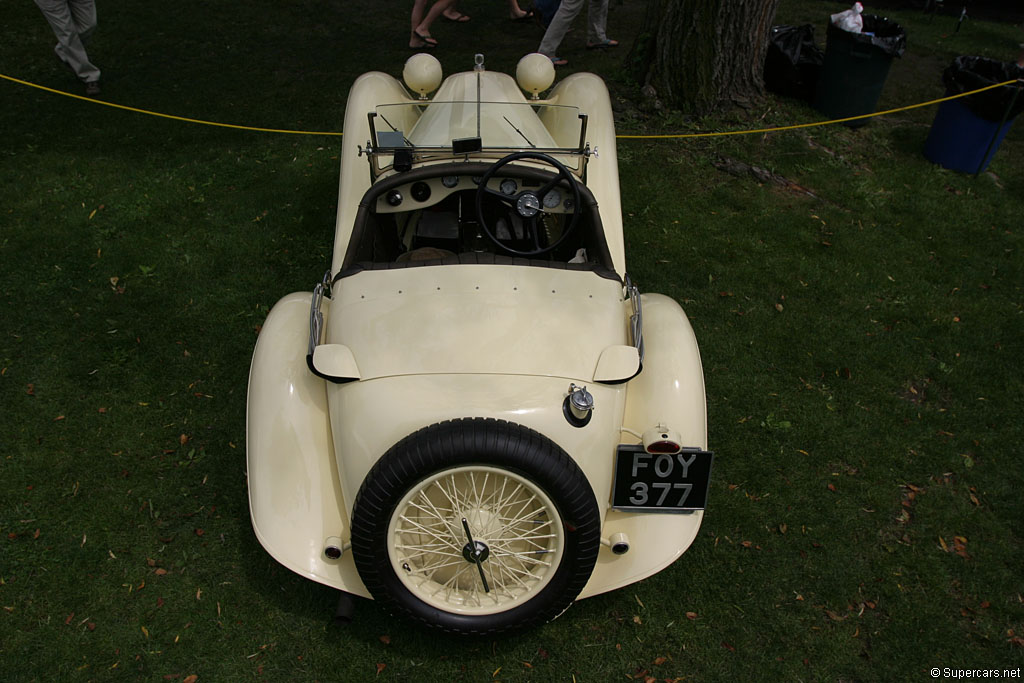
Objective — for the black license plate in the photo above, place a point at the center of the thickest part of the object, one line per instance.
(661, 482)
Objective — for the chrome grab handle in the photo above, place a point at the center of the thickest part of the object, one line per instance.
(316, 317)
(636, 321)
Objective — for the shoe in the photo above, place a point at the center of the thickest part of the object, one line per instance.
(603, 44)
(459, 18)
(529, 16)
(558, 61)
(92, 88)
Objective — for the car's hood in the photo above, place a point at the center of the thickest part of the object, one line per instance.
(477, 319)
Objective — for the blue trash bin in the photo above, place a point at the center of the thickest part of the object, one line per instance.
(962, 141)
(967, 132)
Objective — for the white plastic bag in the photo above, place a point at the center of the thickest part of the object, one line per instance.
(850, 20)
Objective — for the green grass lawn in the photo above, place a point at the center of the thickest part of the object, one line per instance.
(861, 328)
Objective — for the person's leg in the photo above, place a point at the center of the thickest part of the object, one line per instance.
(83, 12)
(69, 48)
(515, 11)
(452, 13)
(560, 23)
(423, 29)
(418, 11)
(597, 22)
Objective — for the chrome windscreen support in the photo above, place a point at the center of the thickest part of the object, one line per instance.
(636, 320)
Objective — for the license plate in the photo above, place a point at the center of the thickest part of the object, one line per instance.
(661, 482)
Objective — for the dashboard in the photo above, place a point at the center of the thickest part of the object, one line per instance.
(421, 194)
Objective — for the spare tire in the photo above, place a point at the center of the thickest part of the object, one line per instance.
(476, 526)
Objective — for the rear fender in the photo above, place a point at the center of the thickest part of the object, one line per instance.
(668, 391)
(295, 499)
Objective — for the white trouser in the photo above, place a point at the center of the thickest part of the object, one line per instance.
(597, 21)
(72, 21)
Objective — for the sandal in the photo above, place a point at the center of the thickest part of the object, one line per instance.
(558, 61)
(527, 16)
(427, 40)
(603, 44)
(458, 18)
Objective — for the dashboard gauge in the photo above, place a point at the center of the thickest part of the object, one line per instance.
(450, 181)
(508, 186)
(568, 205)
(420, 191)
(552, 199)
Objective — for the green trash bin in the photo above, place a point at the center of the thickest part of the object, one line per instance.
(856, 66)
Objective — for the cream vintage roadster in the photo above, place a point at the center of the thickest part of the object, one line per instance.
(476, 418)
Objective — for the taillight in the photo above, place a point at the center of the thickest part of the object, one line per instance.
(661, 440)
(664, 445)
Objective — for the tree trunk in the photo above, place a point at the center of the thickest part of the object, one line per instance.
(699, 54)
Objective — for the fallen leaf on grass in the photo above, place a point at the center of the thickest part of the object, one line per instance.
(386, 640)
(191, 679)
(691, 615)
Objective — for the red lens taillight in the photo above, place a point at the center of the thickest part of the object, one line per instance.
(663, 446)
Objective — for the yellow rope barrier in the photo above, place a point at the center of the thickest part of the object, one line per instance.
(166, 116)
(676, 136)
(814, 124)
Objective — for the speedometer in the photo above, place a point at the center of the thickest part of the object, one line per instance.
(508, 186)
(552, 199)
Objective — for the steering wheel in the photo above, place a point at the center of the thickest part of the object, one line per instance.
(529, 203)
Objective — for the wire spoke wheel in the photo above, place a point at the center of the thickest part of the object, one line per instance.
(514, 526)
(476, 526)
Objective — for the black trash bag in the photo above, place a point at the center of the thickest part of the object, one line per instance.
(878, 32)
(793, 62)
(970, 73)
